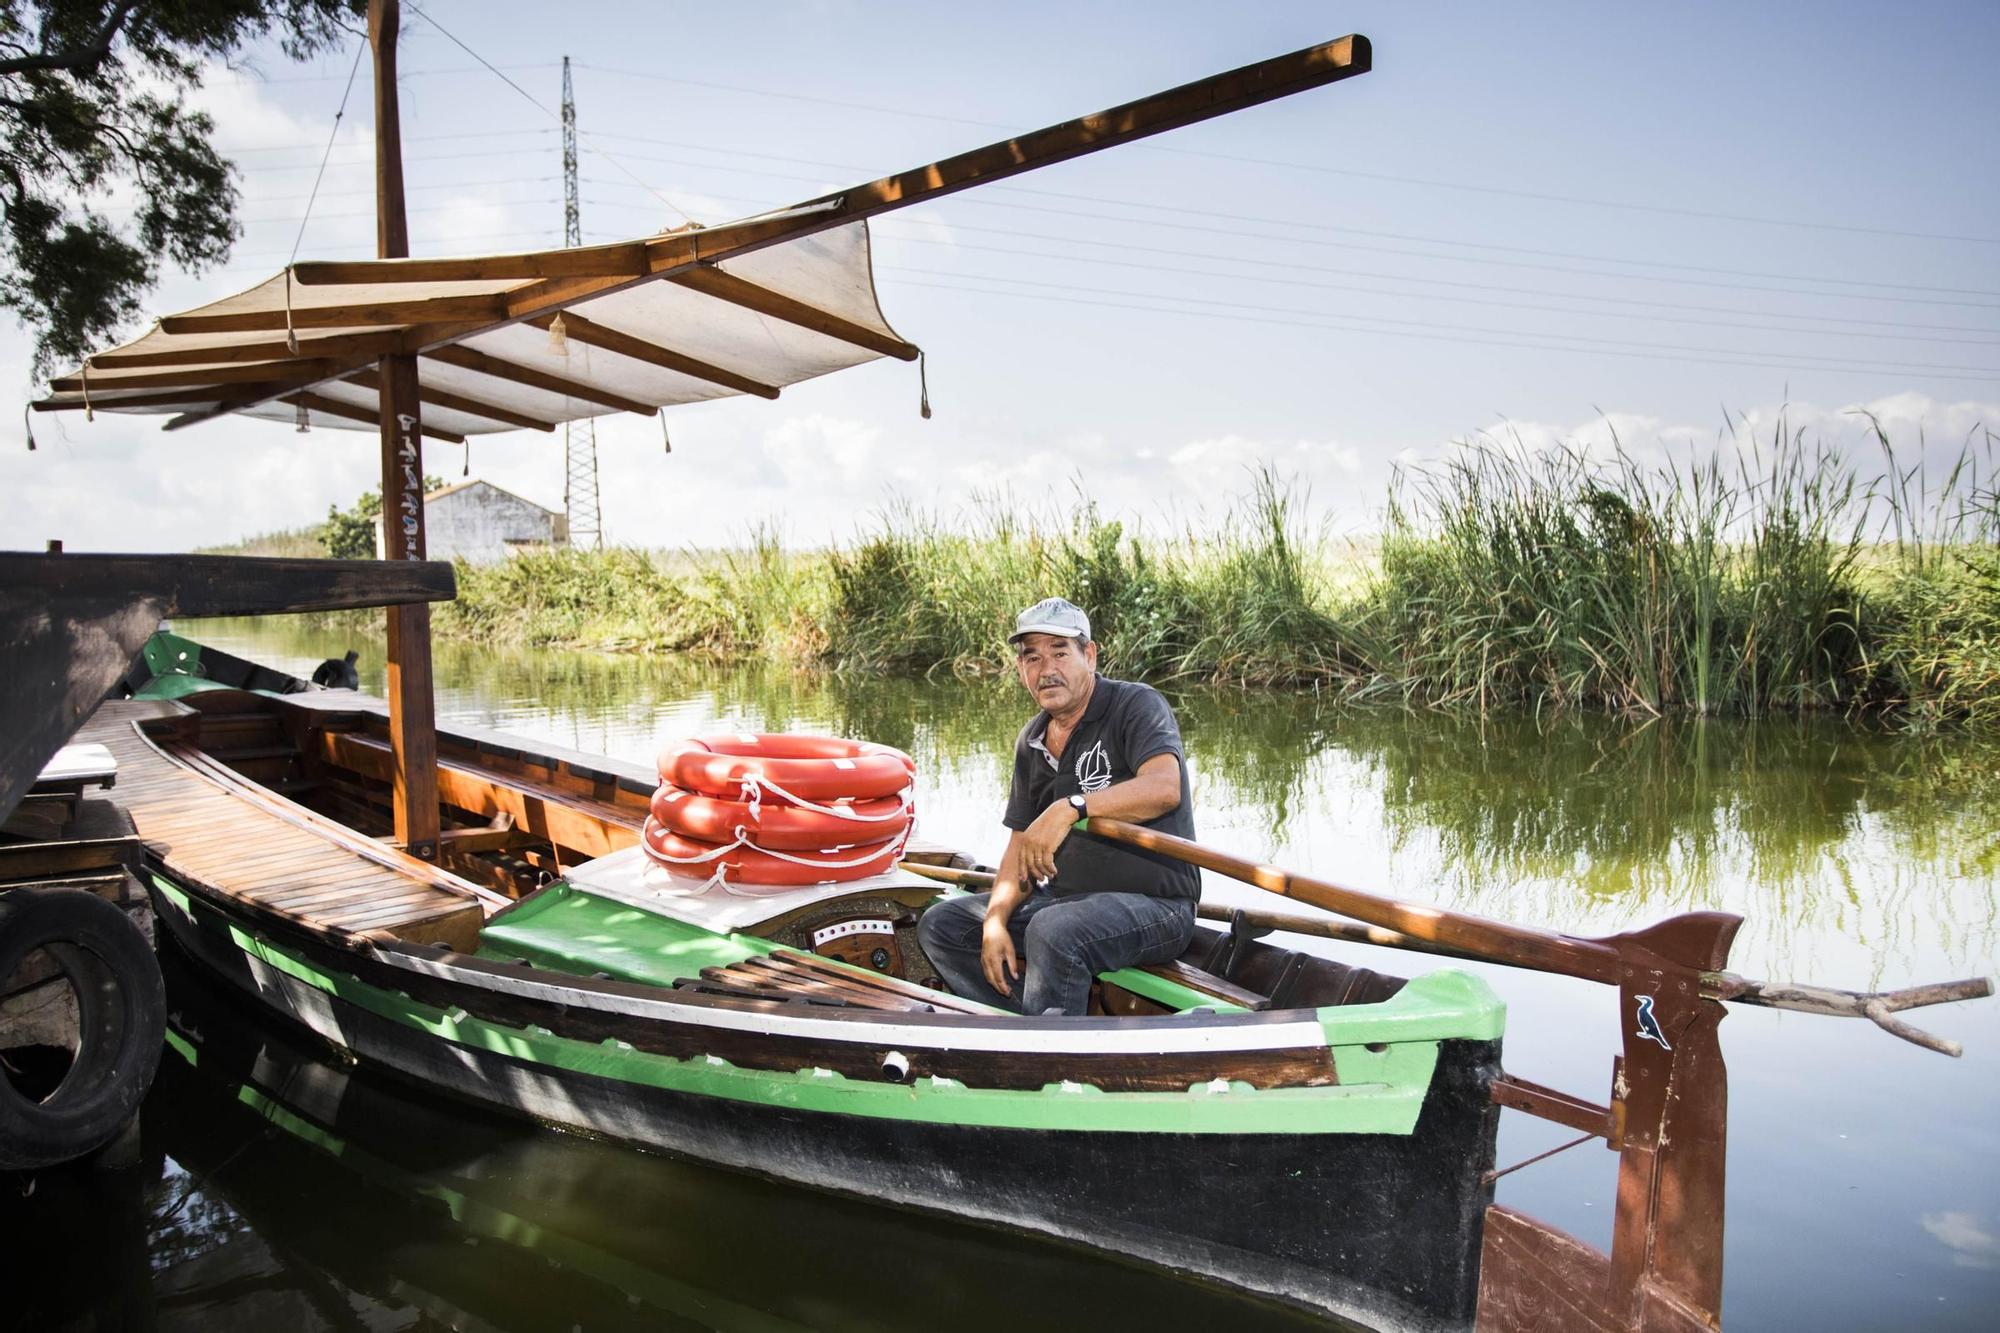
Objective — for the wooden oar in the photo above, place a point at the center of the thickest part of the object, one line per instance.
(1876, 1006)
(1497, 941)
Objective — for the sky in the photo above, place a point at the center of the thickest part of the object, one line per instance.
(1551, 223)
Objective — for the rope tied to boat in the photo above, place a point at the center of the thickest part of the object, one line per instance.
(743, 840)
(754, 787)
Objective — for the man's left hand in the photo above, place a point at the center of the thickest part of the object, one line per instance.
(1041, 839)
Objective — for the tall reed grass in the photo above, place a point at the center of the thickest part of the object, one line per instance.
(1781, 582)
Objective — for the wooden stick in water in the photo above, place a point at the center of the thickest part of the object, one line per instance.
(1875, 1006)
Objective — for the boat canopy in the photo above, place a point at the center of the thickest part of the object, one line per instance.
(298, 347)
(534, 339)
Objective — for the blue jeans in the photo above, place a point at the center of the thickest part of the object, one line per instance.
(1063, 943)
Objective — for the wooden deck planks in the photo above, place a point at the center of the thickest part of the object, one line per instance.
(233, 844)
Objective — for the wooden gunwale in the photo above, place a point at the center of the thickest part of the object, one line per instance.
(595, 1010)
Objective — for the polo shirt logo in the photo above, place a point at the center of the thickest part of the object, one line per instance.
(1093, 769)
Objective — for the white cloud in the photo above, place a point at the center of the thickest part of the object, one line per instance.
(1971, 1245)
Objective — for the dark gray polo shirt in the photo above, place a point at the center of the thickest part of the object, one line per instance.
(1123, 726)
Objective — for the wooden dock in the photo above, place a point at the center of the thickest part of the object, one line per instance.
(215, 828)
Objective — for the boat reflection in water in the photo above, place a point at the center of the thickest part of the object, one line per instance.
(278, 1189)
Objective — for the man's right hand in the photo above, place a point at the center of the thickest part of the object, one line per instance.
(997, 956)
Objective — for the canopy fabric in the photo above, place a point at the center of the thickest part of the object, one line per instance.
(751, 323)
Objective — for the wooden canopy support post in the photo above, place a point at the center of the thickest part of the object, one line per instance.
(412, 716)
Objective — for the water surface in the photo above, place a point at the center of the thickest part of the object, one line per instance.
(1864, 1189)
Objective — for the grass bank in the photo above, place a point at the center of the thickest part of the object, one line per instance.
(1784, 583)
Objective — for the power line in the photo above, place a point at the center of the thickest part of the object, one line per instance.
(1290, 266)
(401, 74)
(1668, 210)
(1461, 328)
(532, 101)
(240, 263)
(363, 147)
(367, 165)
(1350, 289)
(1547, 342)
(1184, 210)
(1415, 254)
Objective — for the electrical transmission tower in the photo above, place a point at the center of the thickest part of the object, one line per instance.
(579, 437)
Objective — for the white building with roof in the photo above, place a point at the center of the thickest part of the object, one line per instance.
(482, 523)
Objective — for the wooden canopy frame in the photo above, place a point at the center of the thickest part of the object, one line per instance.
(299, 352)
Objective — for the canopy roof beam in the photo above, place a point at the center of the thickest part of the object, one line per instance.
(318, 349)
(258, 373)
(624, 344)
(373, 315)
(452, 402)
(190, 398)
(711, 281)
(471, 358)
(620, 260)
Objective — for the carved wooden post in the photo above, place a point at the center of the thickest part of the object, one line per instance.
(1672, 1105)
(412, 719)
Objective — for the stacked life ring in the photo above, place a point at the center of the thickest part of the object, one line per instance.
(778, 812)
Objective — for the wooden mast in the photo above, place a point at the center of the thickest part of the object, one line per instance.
(412, 720)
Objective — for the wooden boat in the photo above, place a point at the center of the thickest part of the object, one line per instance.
(543, 968)
(712, 1025)
(468, 910)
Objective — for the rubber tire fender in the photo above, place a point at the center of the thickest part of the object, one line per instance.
(121, 1020)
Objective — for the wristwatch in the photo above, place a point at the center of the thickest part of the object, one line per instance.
(1078, 803)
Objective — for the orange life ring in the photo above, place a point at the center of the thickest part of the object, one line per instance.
(814, 768)
(779, 824)
(748, 865)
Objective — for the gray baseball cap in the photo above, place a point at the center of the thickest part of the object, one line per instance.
(1052, 615)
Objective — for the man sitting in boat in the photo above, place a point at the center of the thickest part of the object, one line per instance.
(1071, 905)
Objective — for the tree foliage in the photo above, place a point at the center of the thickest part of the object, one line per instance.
(93, 117)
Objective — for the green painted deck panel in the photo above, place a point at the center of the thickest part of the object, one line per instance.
(566, 930)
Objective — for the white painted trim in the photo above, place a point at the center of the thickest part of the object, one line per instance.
(1164, 1036)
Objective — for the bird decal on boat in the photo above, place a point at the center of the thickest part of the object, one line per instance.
(1649, 1026)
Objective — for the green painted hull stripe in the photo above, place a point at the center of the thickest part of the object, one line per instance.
(1381, 1092)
